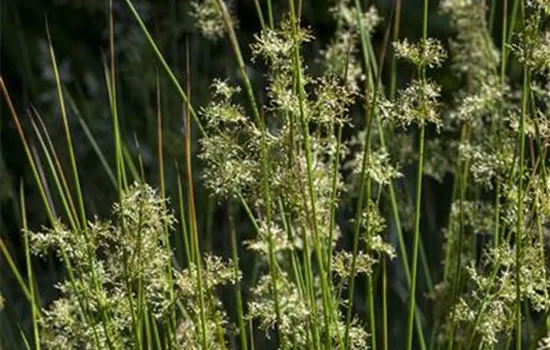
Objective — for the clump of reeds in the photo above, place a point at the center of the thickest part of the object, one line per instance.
(284, 161)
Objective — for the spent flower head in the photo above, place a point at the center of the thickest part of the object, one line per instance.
(543, 5)
(279, 239)
(473, 54)
(208, 18)
(380, 168)
(277, 45)
(418, 103)
(342, 264)
(533, 47)
(332, 101)
(489, 163)
(215, 272)
(346, 13)
(426, 53)
(294, 309)
(339, 58)
(221, 111)
(107, 259)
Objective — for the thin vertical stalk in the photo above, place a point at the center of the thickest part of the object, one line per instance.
(57, 174)
(183, 222)
(68, 137)
(193, 216)
(148, 336)
(111, 88)
(154, 325)
(334, 181)
(160, 149)
(332, 222)
(416, 237)
(519, 222)
(462, 189)
(13, 267)
(260, 13)
(30, 276)
(462, 179)
(121, 176)
(417, 214)
(385, 340)
(503, 43)
(363, 180)
(370, 292)
(270, 14)
(327, 305)
(393, 64)
(238, 292)
(164, 64)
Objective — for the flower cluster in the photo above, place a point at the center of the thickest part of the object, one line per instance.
(489, 163)
(214, 273)
(416, 104)
(426, 53)
(473, 54)
(488, 306)
(339, 58)
(208, 18)
(110, 257)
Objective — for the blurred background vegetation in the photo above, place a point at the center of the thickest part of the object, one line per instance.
(79, 31)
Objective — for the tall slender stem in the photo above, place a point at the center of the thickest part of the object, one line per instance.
(238, 295)
(416, 238)
(327, 304)
(519, 222)
(417, 214)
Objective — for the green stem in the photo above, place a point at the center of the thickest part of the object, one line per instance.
(519, 223)
(385, 303)
(260, 13)
(184, 232)
(270, 14)
(416, 238)
(35, 315)
(68, 137)
(327, 305)
(393, 64)
(370, 292)
(420, 171)
(238, 295)
(167, 69)
(82, 300)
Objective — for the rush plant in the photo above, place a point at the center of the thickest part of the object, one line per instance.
(322, 173)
